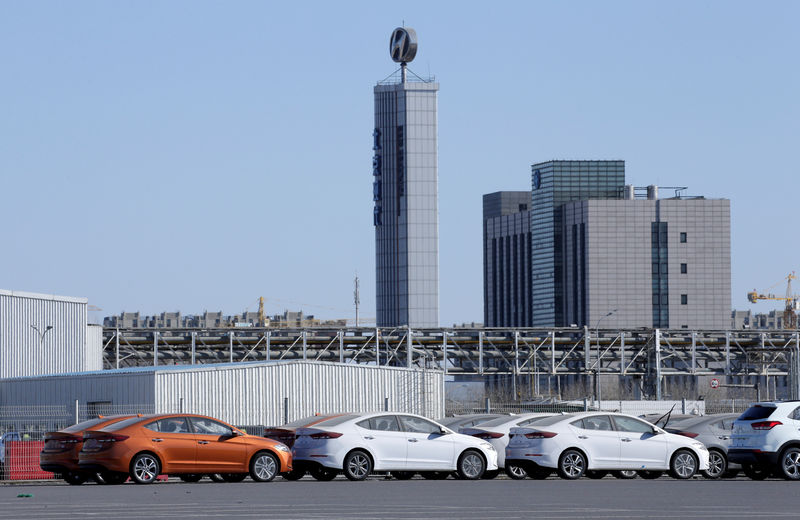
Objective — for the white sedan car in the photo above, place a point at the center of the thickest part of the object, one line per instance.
(358, 444)
(496, 432)
(602, 441)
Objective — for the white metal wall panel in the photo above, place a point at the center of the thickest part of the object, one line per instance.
(93, 359)
(23, 352)
(254, 393)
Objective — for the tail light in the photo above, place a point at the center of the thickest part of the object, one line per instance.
(540, 435)
(765, 425)
(325, 435)
(62, 444)
(103, 443)
(488, 435)
(691, 435)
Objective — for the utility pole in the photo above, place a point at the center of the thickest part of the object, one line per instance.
(356, 298)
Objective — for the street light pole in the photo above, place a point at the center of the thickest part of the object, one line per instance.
(597, 362)
(42, 333)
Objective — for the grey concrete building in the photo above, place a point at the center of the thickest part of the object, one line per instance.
(507, 259)
(660, 263)
(555, 183)
(405, 216)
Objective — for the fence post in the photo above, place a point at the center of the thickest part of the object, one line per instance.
(77, 418)
(285, 410)
(585, 404)
(385, 404)
(683, 406)
(181, 405)
(488, 403)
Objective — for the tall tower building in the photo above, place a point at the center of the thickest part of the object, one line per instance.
(405, 188)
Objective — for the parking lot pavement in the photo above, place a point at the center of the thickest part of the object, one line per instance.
(391, 499)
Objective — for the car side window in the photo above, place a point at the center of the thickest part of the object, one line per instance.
(631, 425)
(384, 423)
(204, 426)
(795, 414)
(418, 425)
(169, 425)
(727, 424)
(578, 424)
(597, 422)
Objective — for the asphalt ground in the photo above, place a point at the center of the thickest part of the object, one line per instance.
(391, 499)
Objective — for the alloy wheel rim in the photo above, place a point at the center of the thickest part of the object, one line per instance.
(265, 467)
(359, 466)
(472, 465)
(791, 465)
(628, 473)
(518, 471)
(573, 464)
(715, 464)
(145, 469)
(684, 465)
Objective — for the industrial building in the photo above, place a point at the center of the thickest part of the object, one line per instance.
(405, 194)
(210, 320)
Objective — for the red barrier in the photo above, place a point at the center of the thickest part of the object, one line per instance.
(22, 461)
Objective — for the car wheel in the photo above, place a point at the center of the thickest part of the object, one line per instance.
(320, 472)
(755, 472)
(650, 475)
(233, 477)
(111, 478)
(571, 465)
(75, 478)
(489, 475)
(683, 465)
(624, 474)
(216, 477)
(357, 465)
(263, 467)
(596, 475)
(717, 465)
(516, 471)
(403, 475)
(435, 475)
(191, 477)
(295, 474)
(790, 464)
(145, 468)
(471, 465)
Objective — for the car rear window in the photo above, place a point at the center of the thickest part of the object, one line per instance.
(85, 425)
(497, 422)
(304, 421)
(336, 421)
(547, 421)
(757, 412)
(124, 424)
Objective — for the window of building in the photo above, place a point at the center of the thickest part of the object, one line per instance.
(683, 238)
(684, 269)
(684, 299)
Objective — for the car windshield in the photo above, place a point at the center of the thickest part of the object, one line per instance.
(757, 412)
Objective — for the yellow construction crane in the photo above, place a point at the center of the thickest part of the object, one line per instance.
(789, 316)
(262, 318)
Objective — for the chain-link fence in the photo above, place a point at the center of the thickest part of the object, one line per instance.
(638, 408)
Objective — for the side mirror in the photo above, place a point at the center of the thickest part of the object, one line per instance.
(444, 431)
(657, 431)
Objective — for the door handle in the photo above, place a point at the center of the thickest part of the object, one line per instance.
(202, 442)
(156, 440)
(724, 437)
(626, 440)
(412, 440)
(369, 437)
(582, 437)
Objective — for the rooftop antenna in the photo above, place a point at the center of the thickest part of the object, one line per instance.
(356, 297)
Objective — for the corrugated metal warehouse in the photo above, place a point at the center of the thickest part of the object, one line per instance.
(46, 334)
(240, 393)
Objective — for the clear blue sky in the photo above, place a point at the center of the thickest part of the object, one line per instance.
(196, 155)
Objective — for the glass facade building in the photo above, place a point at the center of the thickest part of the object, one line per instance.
(405, 195)
(555, 183)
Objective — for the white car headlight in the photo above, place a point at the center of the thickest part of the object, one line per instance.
(282, 447)
(699, 445)
(487, 446)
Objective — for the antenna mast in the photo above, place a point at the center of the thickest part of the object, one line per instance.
(356, 298)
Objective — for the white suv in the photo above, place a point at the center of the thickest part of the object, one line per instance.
(766, 440)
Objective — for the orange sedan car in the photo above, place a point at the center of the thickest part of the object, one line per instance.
(184, 445)
(61, 449)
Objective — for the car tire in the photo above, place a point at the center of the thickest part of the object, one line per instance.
(490, 475)
(755, 472)
(74, 478)
(683, 465)
(539, 473)
(191, 477)
(435, 475)
(216, 477)
(403, 475)
(357, 465)
(731, 473)
(264, 466)
(649, 474)
(295, 474)
(595, 474)
(233, 477)
(516, 471)
(111, 478)
(571, 465)
(624, 474)
(717, 465)
(145, 468)
(320, 472)
(789, 463)
(471, 465)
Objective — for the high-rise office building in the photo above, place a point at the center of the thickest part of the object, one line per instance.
(555, 183)
(507, 259)
(405, 189)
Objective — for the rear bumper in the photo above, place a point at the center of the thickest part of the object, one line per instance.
(751, 457)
